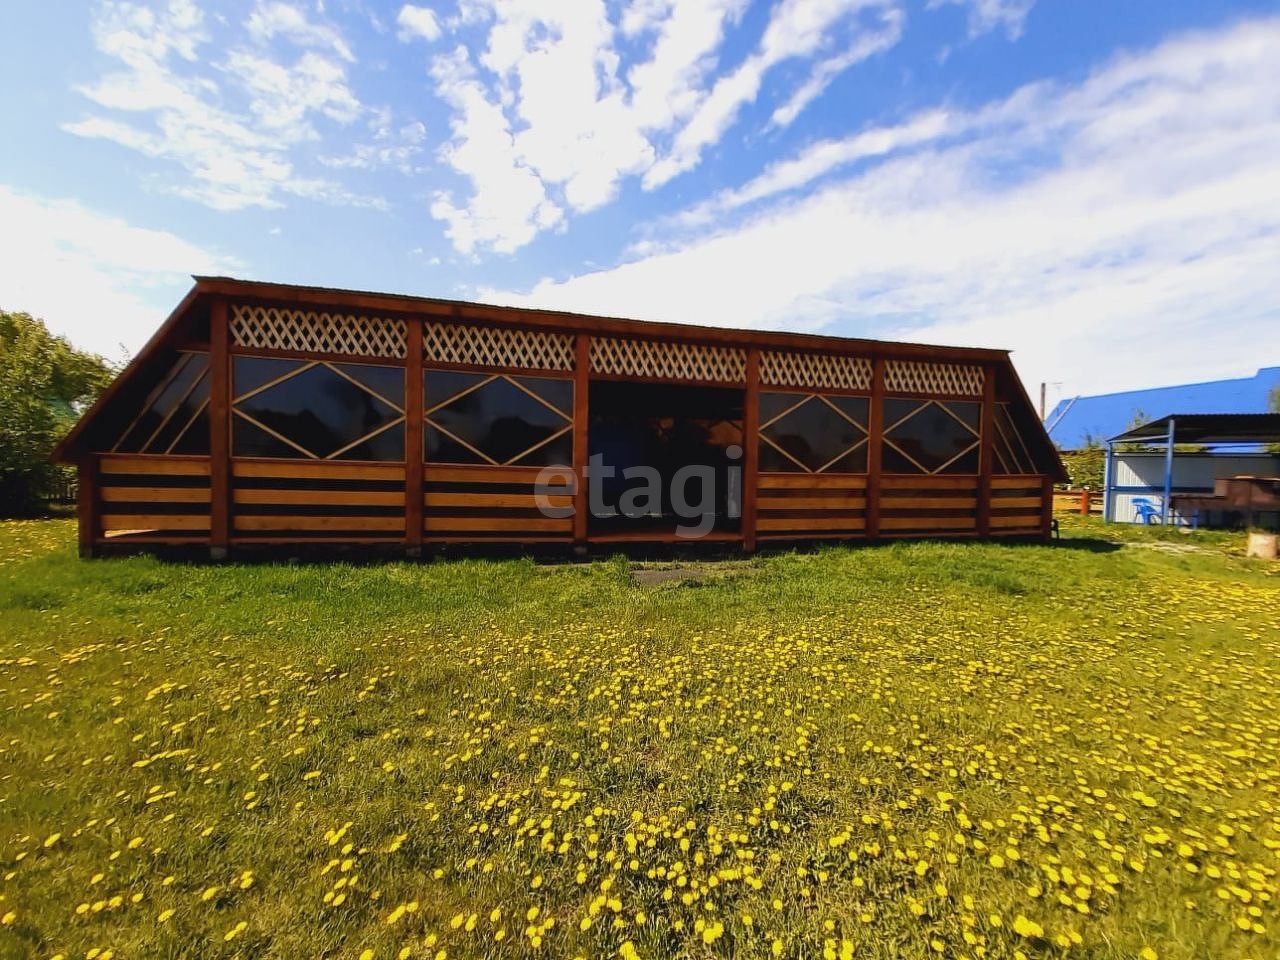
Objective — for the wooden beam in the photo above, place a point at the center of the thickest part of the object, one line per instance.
(750, 449)
(986, 448)
(581, 414)
(1046, 509)
(875, 444)
(87, 505)
(219, 430)
(414, 454)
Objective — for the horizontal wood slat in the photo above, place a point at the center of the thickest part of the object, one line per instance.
(811, 503)
(1015, 482)
(1012, 503)
(1031, 522)
(438, 524)
(814, 481)
(468, 474)
(928, 503)
(316, 470)
(320, 498)
(527, 501)
(157, 465)
(155, 494)
(903, 482)
(832, 522)
(135, 521)
(283, 522)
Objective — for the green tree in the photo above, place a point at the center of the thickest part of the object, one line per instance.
(1273, 405)
(45, 383)
(1085, 466)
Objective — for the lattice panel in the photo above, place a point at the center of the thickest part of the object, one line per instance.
(667, 361)
(279, 328)
(815, 370)
(497, 347)
(955, 379)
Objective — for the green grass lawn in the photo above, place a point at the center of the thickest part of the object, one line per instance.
(916, 750)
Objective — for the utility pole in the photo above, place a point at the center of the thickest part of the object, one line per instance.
(1042, 386)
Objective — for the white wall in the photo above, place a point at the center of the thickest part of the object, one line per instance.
(1192, 473)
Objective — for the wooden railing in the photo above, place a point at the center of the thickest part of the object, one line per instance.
(810, 505)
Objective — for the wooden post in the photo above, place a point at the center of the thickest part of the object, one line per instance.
(1084, 503)
(875, 442)
(581, 413)
(986, 451)
(750, 449)
(413, 444)
(1046, 509)
(219, 430)
(87, 504)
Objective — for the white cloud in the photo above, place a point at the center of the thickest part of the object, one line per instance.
(509, 205)
(232, 129)
(796, 29)
(1116, 233)
(274, 19)
(95, 279)
(988, 15)
(417, 23)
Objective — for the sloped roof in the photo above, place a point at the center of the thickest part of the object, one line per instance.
(188, 326)
(1076, 421)
(1208, 428)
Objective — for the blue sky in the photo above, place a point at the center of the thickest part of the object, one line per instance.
(1093, 185)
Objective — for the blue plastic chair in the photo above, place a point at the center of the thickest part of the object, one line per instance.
(1145, 510)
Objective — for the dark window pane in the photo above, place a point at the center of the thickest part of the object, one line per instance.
(180, 417)
(249, 373)
(558, 452)
(386, 382)
(249, 441)
(855, 408)
(855, 462)
(387, 445)
(965, 463)
(558, 393)
(931, 437)
(891, 461)
(161, 404)
(500, 420)
(813, 433)
(441, 448)
(772, 461)
(896, 409)
(440, 385)
(319, 410)
(970, 413)
(195, 440)
(772, 404)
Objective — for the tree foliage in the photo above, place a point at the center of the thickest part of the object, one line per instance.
(45, 383)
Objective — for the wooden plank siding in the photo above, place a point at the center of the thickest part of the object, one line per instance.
(222, 500)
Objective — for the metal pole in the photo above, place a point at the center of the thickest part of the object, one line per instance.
(1168, 473)
(1106, 485)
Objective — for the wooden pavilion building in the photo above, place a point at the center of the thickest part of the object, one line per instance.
(267, 415)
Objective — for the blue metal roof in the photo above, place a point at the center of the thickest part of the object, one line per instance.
(1074, 422)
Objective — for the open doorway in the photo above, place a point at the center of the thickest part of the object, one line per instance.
(671, 456)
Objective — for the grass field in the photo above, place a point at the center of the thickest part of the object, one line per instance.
(916, 750)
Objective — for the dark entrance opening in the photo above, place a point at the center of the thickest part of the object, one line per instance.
(651, 435)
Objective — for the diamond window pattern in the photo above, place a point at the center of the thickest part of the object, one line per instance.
(320, 411)
(812, 433)
(498, 420)
(931, 436)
